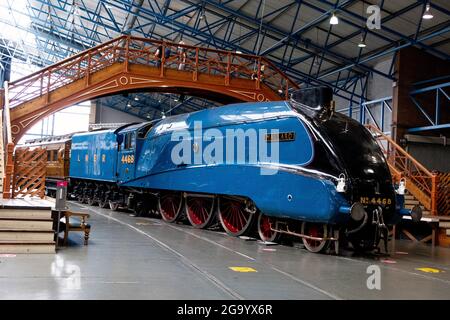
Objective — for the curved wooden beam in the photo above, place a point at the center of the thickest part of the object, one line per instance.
(130, 63)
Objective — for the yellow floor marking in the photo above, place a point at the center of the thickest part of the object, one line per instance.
(243, 269)
(429, 270)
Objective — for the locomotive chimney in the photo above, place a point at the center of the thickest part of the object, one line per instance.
(316, 102)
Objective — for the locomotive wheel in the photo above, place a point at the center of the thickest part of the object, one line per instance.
(315, 230)
(141, 209)
(200, 211)
(264, 228)
(114, 206)
(83, 199)
(103, 203)
(169, 206)
(234, 217)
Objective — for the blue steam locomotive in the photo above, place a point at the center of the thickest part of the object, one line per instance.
(287, 167)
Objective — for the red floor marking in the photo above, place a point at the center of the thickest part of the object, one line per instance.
(389, 261)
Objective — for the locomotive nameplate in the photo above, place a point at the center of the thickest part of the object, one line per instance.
(280, 137)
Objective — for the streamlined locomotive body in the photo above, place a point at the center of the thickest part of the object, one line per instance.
(290, 167)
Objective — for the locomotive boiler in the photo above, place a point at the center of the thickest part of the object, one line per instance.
(286, 167)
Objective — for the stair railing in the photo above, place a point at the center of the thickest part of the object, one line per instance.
(420, 182)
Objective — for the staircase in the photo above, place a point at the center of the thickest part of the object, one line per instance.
(26, 231)
(411, 201)
(422, 185)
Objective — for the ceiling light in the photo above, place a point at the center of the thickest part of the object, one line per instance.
(176, 99)
(202, 15)
(362, 43)
(238, 52)
(129, 105)
(136, 98)
(427, 14)
(163, 115)
(334, 19)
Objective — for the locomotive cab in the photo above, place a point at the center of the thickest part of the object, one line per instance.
(130, 140)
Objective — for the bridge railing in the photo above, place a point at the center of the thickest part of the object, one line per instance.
(44, 81)
(133, 50)
(420, 182)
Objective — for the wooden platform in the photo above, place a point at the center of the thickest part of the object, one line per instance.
(26, 226)
(440, 230)
(27, 203)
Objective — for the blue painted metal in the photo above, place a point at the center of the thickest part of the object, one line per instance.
(383, 105)
(147, 162)
(5, 67)
(429, 128)
(419, 83)
(57, 37)
(94, 156)
(142, 156)
(377, 34)
(430, 88)
(437, 90)
(216, 42)
(387, 52)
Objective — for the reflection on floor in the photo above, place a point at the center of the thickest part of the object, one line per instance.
(144, 258)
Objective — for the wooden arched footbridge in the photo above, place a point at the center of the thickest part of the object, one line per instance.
(130, 63)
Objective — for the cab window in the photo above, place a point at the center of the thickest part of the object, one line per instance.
(129, 140)
(144, 131)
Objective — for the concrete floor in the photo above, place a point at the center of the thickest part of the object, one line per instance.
(143, 258)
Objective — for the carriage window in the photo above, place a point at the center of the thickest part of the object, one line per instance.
(49, 155)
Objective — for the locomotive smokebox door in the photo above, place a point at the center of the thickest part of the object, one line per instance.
(61, 194)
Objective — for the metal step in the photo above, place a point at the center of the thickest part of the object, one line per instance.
(27, 246)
